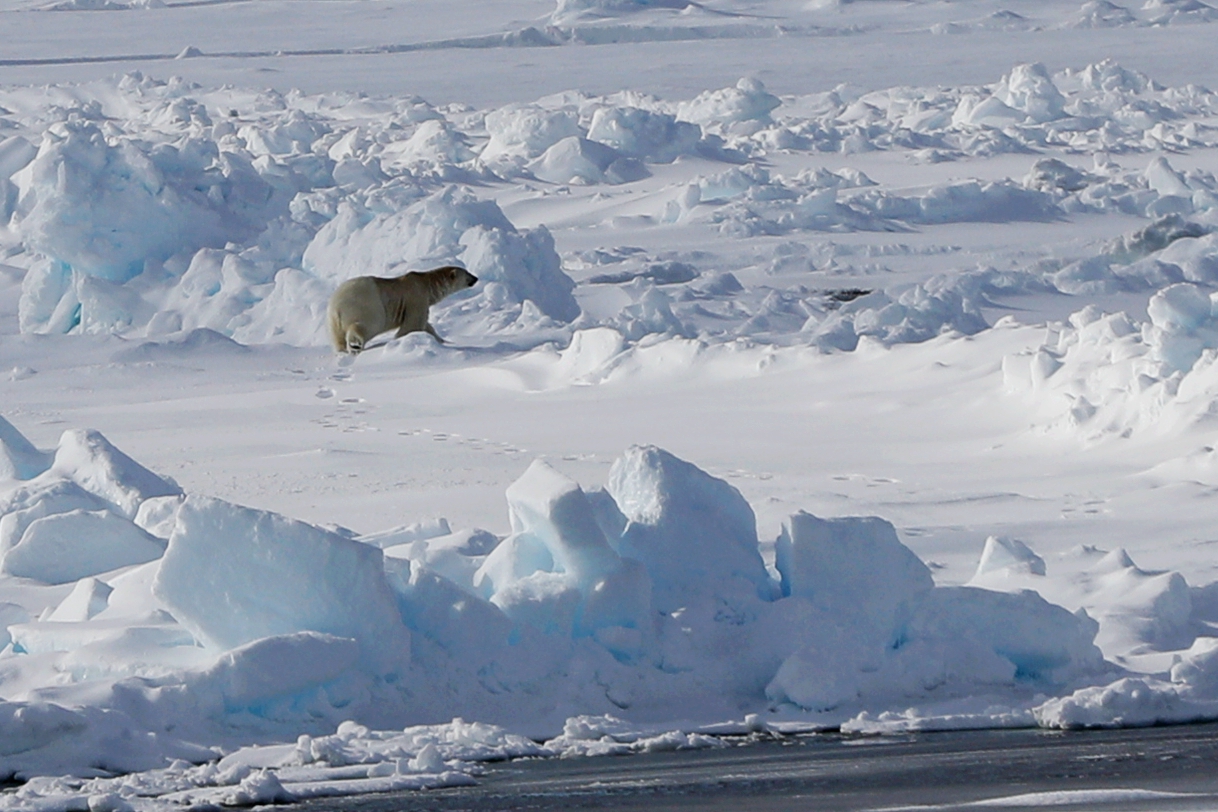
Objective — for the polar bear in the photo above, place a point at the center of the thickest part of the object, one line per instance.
(366, 306)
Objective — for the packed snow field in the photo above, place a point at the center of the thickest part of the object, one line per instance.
(865, 406)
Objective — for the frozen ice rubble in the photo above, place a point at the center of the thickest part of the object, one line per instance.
(1107, 374)
(888, 634)
(18, 457)
(73, 519)
(65, 547)
(135, 211)
(1145, 618)
(579, 160)
(693, 532)
(557, 571)
(104, 208)
(90, 460)
(234, 575)
(648, 599)
(832, 561)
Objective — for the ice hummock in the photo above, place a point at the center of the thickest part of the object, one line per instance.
(656, 583)
(18, 457)
(831, 561)
(182, 219)
(90, 460)
(605, 590)
(232, 575)
(693, 532)
(66, 547)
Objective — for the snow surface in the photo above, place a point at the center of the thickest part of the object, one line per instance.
(842, 365)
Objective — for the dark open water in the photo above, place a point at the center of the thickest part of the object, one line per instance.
(832, 772)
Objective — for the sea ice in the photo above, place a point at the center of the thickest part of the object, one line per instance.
(65, 547)
(18, 457)
(585, 582)
(852, 565)
(623, 240)
(694, 533)
(90, 460)
(274, 576)
(1003, 553)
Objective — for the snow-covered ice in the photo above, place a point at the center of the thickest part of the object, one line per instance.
(833, 366)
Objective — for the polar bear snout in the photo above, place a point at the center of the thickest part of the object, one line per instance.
(452, 278)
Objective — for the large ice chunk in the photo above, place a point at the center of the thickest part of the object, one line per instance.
(15, 154)
(518, 556)
(66, 547)
(1137, 609)
(11, 614)
(467, 627)
(1030, 90)
(854, 565)
(1001, 553)
(295, 292)
(986, 637)
(90, 460)
(546, 601)
(131, 596)
(42, 292)
(555, 510)
(1138, 612)
(832, 669)
(521, 132)
(159, 514)
(1182, 325)
(557, 562)
(18, 457)
(37, 499)
(435, 144)
(1198, 667)
(947, 642)
(233, 575)
(694, 533)
(89, 597)
(1195, 254)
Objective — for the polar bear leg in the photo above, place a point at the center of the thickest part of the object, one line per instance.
(355, 338)
(357, 314)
